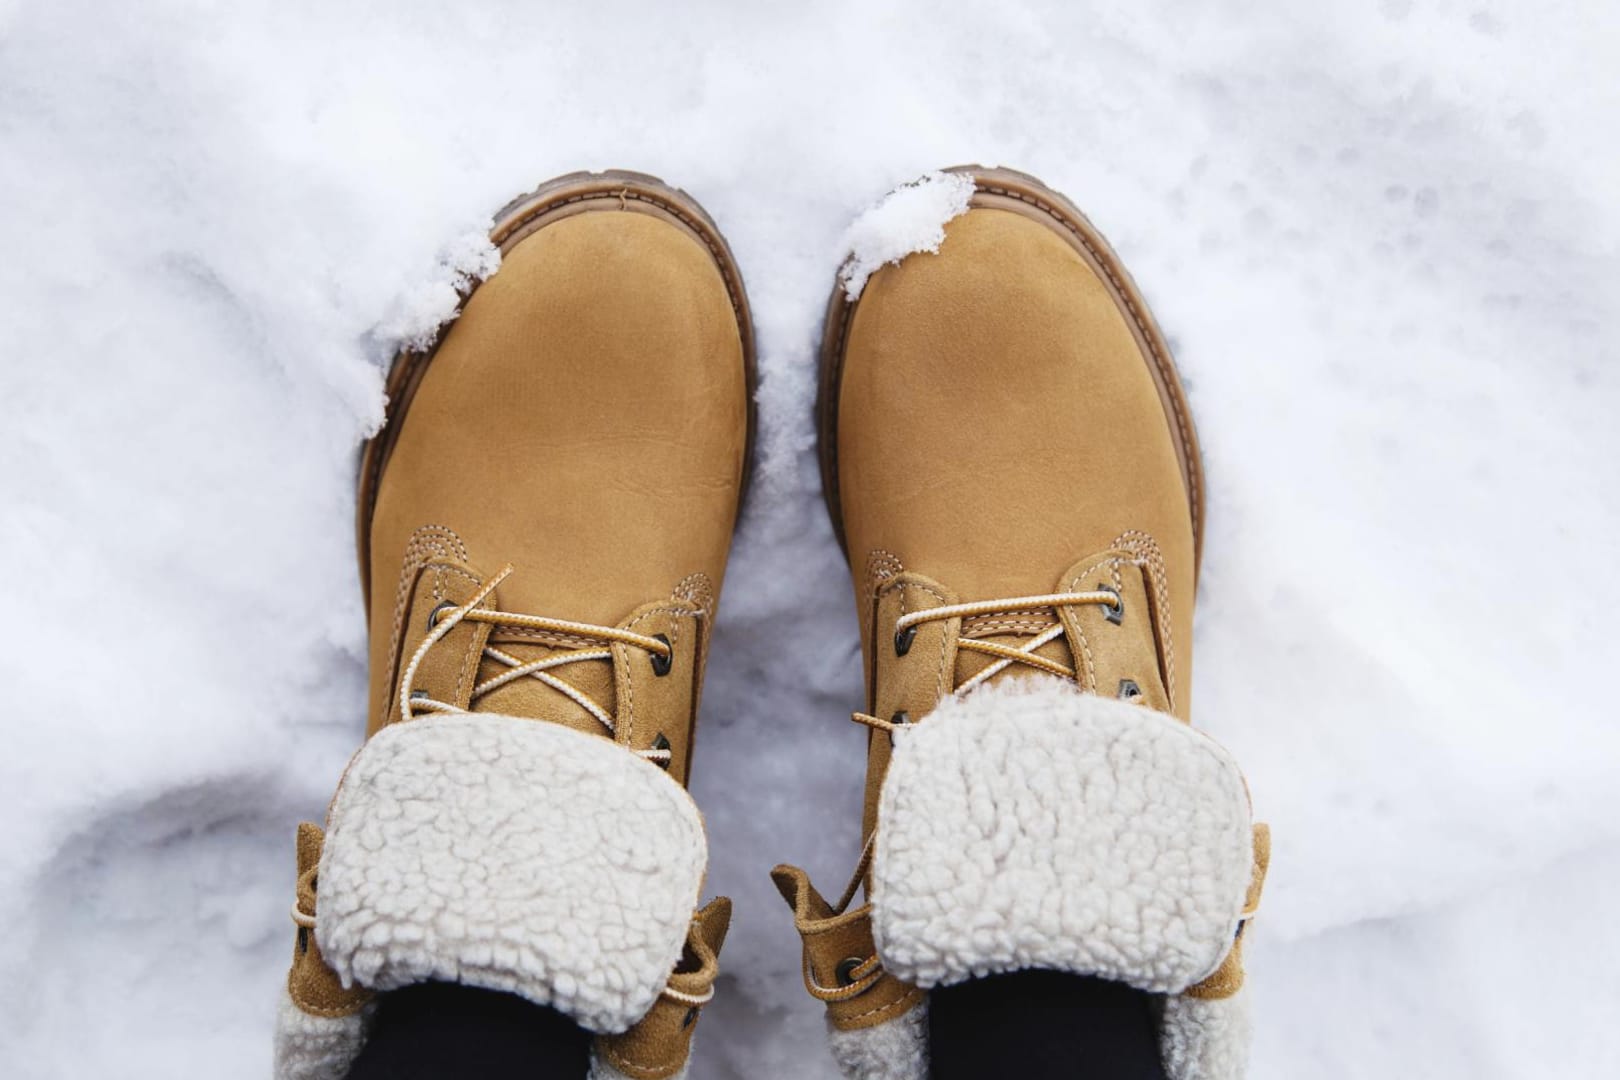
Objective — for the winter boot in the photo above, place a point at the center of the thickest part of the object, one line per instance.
(543, 527)
(1009, 459)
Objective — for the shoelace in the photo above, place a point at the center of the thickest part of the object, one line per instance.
(855, 975)
(411, 701)
(905, 628)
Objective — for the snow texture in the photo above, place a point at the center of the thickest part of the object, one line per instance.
(1032, 826)
(907, 221)
(415, 318)
(1382, 236)
(445, 859)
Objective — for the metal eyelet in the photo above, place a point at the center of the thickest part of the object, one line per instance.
(440, 609)
(845, 972)
(903, 640)
(901, 718)
(690, 1018)
(303, 939)
(1115, 612)
(662, 664)
(1128, 690)
(662, 743)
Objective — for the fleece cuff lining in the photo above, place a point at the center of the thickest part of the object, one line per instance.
(1028, 825)
(513, 855)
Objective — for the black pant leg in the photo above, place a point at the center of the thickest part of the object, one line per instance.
(1040, 1024)
(435, 1030)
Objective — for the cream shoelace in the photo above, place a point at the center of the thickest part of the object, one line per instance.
(411, 702)
(855, 975)
(1005, 655)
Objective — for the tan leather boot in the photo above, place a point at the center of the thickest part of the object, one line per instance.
(543, 528)
(1010, 462)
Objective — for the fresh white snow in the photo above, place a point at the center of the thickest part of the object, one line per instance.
(909, 220)
(1381, 234)
(414, 320)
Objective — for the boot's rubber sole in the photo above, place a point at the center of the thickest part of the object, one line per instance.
(1007, 189)
(564, 196)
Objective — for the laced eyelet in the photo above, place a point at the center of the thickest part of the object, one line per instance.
(662, 743)
(661, 665)
(903, 640)
(845, 972)
(1128, 690)
(1115, 612)
(438, 610)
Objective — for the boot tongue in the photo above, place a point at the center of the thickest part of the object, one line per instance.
(529, 697)
(1014, 628)
(1014, 631)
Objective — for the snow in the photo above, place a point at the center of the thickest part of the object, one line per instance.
(908, 220)
(414, 320)
(1382, 237)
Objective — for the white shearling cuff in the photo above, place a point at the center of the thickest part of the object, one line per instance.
(311, 1047)
(510, 854)
(1205, 1039)
(896, 1049)
(1028, 825)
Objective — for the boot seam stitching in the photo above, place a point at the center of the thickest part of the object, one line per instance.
(716, 253)
(911, 995)
(1085, 643)
(628, 1064)
(630, 682)
(426, 543)
(1150, 557)
(944, 639)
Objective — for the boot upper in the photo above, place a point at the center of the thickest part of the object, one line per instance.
(1011, 465)
(543, 525)
(999, 423)
(583, 421)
